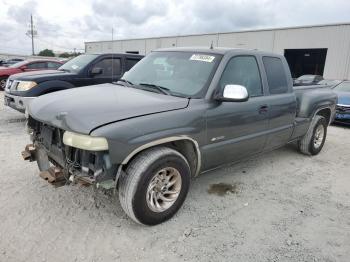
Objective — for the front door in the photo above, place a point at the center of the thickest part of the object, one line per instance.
(111, 70)
(237, 129)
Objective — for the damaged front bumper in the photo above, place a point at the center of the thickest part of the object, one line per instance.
(69, 157)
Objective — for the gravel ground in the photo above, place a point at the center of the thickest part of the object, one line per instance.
(282, 206)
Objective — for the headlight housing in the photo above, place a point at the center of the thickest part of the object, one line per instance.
(85, 142)
(25, 85)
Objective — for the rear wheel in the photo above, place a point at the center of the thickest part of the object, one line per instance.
(3, 83)
(314, 139)
(155, 185)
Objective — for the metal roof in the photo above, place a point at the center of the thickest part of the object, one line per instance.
(231, 32)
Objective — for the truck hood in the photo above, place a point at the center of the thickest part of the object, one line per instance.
(343, 98)
(86, 108)
(42, 75)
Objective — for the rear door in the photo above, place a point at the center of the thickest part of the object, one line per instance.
(281, 102)
(237, 129)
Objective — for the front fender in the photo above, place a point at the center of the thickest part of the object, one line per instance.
(133, 135)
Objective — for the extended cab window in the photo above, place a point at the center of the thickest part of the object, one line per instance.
(243, 70)
(109, 67)
(276, 75)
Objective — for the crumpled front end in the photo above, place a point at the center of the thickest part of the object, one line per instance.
(64, 157)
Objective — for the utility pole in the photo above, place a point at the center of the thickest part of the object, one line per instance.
(32, 32)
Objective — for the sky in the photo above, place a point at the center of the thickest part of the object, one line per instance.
(63, 25)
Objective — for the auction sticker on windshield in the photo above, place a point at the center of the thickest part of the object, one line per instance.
(204, 58)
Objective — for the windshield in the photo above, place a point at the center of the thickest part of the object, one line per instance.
(344, 87)
(183, 73)
(77, 63)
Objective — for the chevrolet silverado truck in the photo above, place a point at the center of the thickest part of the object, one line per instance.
(83, 70)
(177, 113)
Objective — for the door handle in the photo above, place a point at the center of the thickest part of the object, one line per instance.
(263, 109)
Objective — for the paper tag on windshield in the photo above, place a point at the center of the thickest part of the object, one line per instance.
(204, 58)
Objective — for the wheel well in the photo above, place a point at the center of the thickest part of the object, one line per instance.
(188, 150)
(186, 147)
(326, 113)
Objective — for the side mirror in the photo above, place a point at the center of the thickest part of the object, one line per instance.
(23, 68)
(96, 71)
(233, 93)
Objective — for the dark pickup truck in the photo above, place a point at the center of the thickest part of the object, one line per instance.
(177, 113)
(84, 70)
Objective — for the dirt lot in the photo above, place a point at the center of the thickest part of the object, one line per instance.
(282, 206)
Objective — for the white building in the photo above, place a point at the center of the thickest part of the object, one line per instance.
(321, 49)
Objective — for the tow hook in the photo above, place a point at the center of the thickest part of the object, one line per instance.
(54, 176)
(29, 153)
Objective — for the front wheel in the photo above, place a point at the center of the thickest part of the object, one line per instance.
(313, 141)
(42, 159)
(155, 185)
(3, 83)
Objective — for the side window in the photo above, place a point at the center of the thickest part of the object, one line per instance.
(130, 62)
(276, 75)
(53, 65)
(243, 70)
(37, 65)
(109, 66)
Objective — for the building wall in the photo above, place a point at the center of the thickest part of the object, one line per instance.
(5, 56)
(336, 38)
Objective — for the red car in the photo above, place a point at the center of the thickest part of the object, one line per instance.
(26, 66)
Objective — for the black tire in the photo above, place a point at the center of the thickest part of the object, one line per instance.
(42, 159)
(134, 184)
(3, 83)
(309, 144)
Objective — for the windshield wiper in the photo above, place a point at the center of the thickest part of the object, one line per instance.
(125, 82)
(161, 89)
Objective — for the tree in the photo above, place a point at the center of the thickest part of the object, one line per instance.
(46, 52)
(68, 55)
(65, 55)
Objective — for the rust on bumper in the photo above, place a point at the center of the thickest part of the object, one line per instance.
(54, 176)
(29, 153)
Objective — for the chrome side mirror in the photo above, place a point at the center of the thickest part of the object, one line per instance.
(233, 93)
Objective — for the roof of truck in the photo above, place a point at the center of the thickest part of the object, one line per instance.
(122, 54)
(214, 50)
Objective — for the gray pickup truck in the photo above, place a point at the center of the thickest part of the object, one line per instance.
(177, 113)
